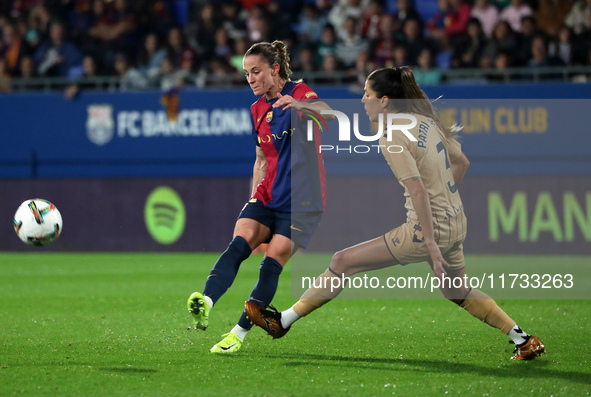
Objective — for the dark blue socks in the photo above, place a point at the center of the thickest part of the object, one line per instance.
(264, 291)
(225, 269)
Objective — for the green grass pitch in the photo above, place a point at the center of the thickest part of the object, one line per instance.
(116, 325)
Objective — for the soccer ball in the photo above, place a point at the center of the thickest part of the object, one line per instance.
(37, 222)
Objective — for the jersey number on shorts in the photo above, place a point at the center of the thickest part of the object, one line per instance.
(441, 147)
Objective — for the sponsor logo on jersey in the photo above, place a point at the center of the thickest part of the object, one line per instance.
(274, 137)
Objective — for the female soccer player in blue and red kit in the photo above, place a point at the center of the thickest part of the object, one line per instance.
(289, 191)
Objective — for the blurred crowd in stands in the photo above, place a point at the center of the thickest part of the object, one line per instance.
(167, 43)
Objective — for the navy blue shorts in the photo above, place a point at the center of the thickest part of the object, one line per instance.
(296, 226)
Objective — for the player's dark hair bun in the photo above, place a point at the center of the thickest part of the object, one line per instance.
(275, 52)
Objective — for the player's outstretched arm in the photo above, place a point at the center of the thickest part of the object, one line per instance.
(420, 200)
(317, 107)
(286, 102)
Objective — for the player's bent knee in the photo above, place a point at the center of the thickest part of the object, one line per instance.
(456, 295)
(251, 238)
(341, 263)
(280, 251)
(254, 236)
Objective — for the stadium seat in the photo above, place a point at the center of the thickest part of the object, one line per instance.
(426, 8)
(391, 6)
(181, 12)
(443, 60)
(75, 72)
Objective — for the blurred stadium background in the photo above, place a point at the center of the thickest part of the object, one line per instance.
(133, 117)
(129, 44)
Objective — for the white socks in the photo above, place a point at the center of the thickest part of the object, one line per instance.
(239, 331)
(518, 336)
(288, 317)
(208, 300)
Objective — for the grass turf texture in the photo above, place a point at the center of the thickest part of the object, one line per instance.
(116, 324)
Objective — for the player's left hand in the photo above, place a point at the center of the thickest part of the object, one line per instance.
(439, 264)
(287, 102)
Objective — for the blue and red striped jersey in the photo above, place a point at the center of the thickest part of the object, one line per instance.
(295, 179)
